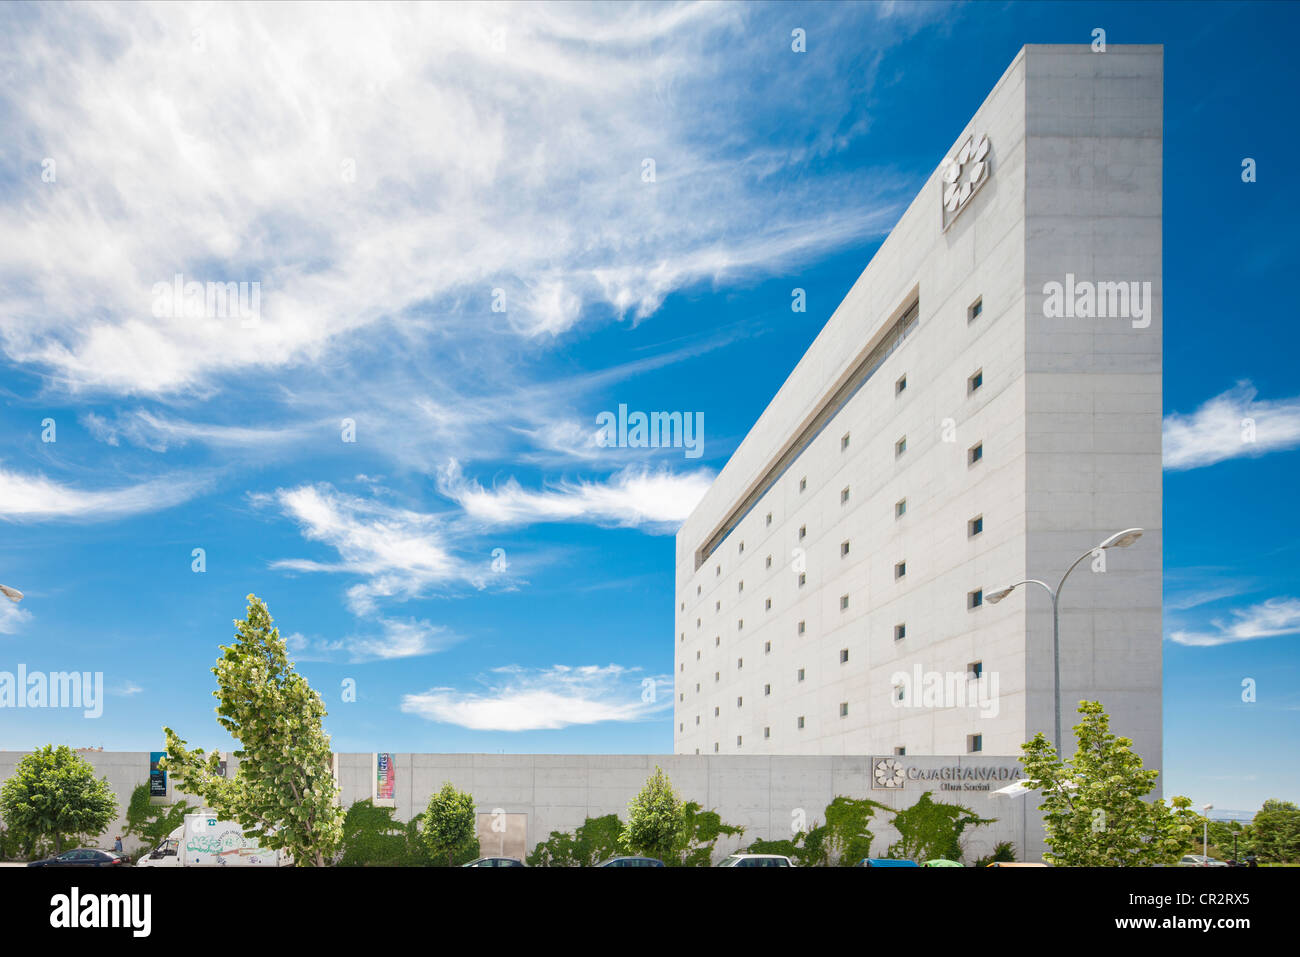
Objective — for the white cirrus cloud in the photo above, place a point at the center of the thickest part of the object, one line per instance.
(396, 638)
(400, 552)
(1233, 424)
(12, 617)
(37, 498)
(518, 699)
(361, 162)
(633, 497)
(1273, 618)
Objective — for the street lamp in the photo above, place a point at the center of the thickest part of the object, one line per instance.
(1119, 540)
(13, 594)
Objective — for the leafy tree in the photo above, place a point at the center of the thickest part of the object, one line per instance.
(1276, 830)
(1003, 851)
(152, 822)
(451, 826)
(597, 839)
(928, 830)
(54, 795)
(284, 787)
(1094, 808)
(656, 819)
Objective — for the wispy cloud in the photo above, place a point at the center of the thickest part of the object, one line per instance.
(407, 156)
(545, 699)
(12, 617)
(655, 500)
(1231, 425)
(396, 638)
(37, 498)
(401, 553)
(1273, 618)
(126, 689)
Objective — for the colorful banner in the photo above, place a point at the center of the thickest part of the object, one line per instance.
(157, 776)
(385, 779)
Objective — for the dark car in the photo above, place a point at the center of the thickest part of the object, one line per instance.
(885, 862)
(83, 857)
(495, 862)
(632, 862)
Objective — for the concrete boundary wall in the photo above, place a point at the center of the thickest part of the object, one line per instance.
(762, 793)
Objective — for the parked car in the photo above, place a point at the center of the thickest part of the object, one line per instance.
(757, 860)
(885, 862)
(1017, 864)
(942, 862)
(495, 862)
(632, 862)
(83, 857)
(1200, 860)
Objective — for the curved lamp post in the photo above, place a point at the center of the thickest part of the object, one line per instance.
(13, 594)
(1119, 540)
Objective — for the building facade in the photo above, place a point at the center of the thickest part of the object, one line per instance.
(983, 407)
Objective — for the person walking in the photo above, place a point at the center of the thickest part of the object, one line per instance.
(117, 844)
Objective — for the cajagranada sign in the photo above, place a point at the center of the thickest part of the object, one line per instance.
(891, 774)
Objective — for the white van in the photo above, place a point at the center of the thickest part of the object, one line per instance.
(206, 841)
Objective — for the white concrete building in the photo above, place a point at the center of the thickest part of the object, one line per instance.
(957, 427)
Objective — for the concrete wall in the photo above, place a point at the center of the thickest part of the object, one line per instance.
(557, 792)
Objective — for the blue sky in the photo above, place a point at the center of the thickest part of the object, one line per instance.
(388, 175)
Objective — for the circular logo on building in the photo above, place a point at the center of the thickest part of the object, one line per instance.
(963, 174)
(887, 773)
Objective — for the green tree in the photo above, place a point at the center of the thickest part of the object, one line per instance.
(1003, 852)
(284, 788)
(451, 826)
(928, 830)
(53, 795)
(700, 833)
(1094, 811)
(152, 822)
(371, 838)
(656, 819)
(596, 839)
(1276, 829)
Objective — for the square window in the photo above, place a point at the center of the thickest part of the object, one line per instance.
(740, 585)
(844, 709)
(717, 676)
(974, 310)
(801, 674)
(717, 571)
(844, 549)
(769, 561)
(975, 598)
(900, 508)
(975, 453)
(681, 726)
(697, 622)
(740, 702)
(716, 711)
(767, 732)
(740, 624)
(802, 627)
(803, 532)
(717, 605)
(844, 656)
(900, 385)
(767, 690)
(844, 495)
(900, 447)
(975, 670)
(741, 548)
(803, 579)
(974, 743)
(975, 526)
(767, 647)
(767, 604)
(844, 602)
(737, 740)
(900, 569)
(697, 686)
(900, 693)
(698, 589)
(740, 663)
(715, 747)
(844, 441)
(717, 641)
(803, 484)
(800, 722)
(697, 656)
(769, 518)
(975, 381)
(682, 666)
(697, 719)
(900, 632)
(900, 751)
